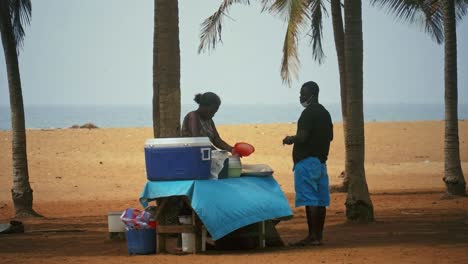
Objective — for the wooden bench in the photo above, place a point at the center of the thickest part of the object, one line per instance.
(163, 229)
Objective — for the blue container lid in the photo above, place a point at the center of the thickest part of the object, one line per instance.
(178, 142)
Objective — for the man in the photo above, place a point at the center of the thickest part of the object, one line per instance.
(310, 152)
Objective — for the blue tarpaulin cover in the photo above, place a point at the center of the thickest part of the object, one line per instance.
(228, 204)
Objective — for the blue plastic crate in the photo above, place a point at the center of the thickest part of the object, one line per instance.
(178, 158)
(141, 242)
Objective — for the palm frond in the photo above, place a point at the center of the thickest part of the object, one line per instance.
(422, 12)
(405, 10)
(297, 15)
(20, 11)
(316, 9)
(461, 9)
(433, 22)
(266, 4)
(212, 27)
(281, 7)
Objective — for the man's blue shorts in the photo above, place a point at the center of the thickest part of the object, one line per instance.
(311, 183)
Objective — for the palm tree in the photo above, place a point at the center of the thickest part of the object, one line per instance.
(13, 15)
(338, 32)
(297, 13)
(453, 174)
(166, 82)
(440, 19)
(359, 207)
(166, 69)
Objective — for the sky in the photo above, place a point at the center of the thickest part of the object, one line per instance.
(99, 52)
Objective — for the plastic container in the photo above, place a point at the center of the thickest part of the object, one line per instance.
(234, 167)
(115, 225)
(188, 239)
(141, 241)
(219, 159)
(223, 174)
(178, 158)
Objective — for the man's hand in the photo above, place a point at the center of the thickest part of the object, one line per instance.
(288, 140)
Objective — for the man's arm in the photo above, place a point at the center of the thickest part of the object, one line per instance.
(304, 125)
(300, 137)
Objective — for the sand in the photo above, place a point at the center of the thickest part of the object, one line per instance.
(78, 175)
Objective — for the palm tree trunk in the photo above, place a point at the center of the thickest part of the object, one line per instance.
(453, 174)
(358, 204)
(21, 191)
(166, 69)
(338, 32)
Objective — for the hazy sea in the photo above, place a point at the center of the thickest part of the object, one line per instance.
(63, 116)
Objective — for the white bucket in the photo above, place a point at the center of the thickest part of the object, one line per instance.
(188, 239)
(114, 223)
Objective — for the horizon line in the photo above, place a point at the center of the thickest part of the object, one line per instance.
(268, 104)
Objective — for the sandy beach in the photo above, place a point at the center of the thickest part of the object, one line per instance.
(78, 175)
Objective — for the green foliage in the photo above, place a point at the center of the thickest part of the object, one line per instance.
(213, 25)
(18, 13)
(427, 13)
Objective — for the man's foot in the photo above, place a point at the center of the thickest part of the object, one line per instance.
(307, 242)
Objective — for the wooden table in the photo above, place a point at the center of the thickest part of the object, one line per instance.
(163, 229)
(259, 198)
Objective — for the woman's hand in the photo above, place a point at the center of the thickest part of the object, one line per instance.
(233, 152)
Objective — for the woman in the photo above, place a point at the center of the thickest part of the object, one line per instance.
(199, 123)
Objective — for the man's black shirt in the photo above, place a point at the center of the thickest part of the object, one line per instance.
(316, 121)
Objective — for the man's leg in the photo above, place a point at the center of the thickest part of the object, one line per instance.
(322, 215)
(313, 221)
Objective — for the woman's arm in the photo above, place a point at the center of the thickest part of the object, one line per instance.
(218, 142)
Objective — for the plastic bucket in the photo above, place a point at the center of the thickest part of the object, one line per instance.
(188, 239)
(114, 223)
(141, 242)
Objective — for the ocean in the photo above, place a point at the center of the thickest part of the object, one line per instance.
(63, 116)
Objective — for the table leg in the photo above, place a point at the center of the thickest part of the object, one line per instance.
(160, 243)
(161, 219)
(198, 233)
(261, 235)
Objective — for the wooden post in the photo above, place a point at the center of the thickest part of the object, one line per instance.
(198, 232)
(261, 234)
(161, 220)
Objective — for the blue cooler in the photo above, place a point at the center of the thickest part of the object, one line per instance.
(178, 158)
(141, 241)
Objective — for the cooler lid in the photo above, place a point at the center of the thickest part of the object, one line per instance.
(177, 142)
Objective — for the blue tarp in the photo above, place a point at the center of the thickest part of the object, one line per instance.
(228, 204)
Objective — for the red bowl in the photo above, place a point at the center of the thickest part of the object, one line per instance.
(243, 149)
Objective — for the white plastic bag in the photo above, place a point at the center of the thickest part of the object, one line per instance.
(217, 162)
